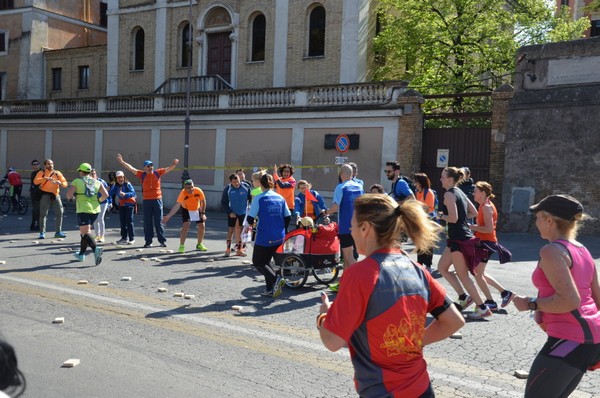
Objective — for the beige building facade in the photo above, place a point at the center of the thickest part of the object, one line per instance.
(257, 44)
(28, 28)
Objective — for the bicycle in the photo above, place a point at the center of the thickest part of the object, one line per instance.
(6, 202)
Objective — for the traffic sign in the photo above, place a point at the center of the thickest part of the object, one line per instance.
(442, 158)
(342, 143)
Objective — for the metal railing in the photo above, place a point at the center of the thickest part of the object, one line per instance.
(378, 94)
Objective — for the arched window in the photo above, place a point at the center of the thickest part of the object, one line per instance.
(138, 49)
(316, 32)
(259, 32)
(185, 49)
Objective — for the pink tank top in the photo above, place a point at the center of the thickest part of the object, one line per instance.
(582, 324)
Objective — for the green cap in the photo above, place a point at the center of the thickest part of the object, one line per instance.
(188, 182)
(85, 167)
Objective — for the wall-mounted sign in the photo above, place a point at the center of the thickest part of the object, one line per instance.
(442, 157)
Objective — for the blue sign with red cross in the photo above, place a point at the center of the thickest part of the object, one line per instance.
(342, 143)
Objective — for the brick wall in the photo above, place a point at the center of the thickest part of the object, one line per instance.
(552, 140)
(132, 82)
(410, 132)
(302, 71)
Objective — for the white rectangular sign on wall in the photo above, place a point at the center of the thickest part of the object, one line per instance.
(442, 157)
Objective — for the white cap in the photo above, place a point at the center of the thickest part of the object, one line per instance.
(119, 174)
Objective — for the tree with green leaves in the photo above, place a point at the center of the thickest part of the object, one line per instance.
(455, 46)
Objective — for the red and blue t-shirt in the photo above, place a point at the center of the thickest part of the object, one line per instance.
(380, 310)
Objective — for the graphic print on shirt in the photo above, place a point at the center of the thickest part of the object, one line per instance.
(398, 339)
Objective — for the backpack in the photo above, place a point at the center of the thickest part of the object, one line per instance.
(410, 183)
(14, 179)
(90, 187)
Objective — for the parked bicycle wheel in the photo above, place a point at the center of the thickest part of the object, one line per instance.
(23, 206)
(4, 204)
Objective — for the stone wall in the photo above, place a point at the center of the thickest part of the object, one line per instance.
(552, 140)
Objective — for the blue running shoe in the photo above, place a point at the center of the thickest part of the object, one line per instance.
(98, 255)
(79, 257)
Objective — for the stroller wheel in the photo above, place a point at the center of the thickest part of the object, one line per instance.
(326, 275)
(294, 271)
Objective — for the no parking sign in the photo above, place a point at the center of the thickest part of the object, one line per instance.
(342, 143)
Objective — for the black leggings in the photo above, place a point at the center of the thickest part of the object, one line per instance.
(559, 367)
(261, 258)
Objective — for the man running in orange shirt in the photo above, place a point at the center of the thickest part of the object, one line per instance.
(193, 206)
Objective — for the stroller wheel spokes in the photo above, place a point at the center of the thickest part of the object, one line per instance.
(294, 271)
(326, 275)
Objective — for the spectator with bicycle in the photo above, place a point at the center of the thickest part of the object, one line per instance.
(16, 186)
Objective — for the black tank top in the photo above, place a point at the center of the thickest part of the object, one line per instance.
(460, 229)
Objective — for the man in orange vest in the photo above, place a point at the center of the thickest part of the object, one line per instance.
(152, 198)
(50, 182)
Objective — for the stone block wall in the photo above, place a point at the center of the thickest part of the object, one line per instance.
(552, 140)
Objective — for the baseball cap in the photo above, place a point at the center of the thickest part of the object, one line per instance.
(188, 182)
(85, 167)
(120, 174)
(148, 163)
(561, 206)
(11, 169)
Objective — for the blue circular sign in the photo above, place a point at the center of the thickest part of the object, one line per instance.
(342, 143)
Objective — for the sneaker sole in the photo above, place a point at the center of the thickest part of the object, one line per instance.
(98, 257)
(279, 289)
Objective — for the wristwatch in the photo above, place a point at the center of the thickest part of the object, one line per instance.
(532, 304)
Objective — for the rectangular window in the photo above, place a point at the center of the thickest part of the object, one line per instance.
(7, 4)
(56, 78)
(595, 30)
(103, 16)
(3, 42)
(84, 77)
(2, 83)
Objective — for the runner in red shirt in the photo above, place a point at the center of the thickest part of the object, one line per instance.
(381, 309)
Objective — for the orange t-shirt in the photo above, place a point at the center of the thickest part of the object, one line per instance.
(151, 184)
(429, 201)
(287, 193)
(48, 186)
(191, 202)
(490, 236)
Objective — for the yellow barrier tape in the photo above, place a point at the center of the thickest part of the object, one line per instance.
(319, 166)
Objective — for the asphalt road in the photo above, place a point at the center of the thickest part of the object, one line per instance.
(134, 341)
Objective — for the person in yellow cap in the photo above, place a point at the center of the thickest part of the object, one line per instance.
(85, 190)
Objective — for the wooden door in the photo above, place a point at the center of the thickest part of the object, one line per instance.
(219, 55)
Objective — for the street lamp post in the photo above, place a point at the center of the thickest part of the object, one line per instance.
(186, 148)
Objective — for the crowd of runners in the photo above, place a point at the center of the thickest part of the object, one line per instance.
(382, 300)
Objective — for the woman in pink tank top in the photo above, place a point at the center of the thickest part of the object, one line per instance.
(567, 304)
